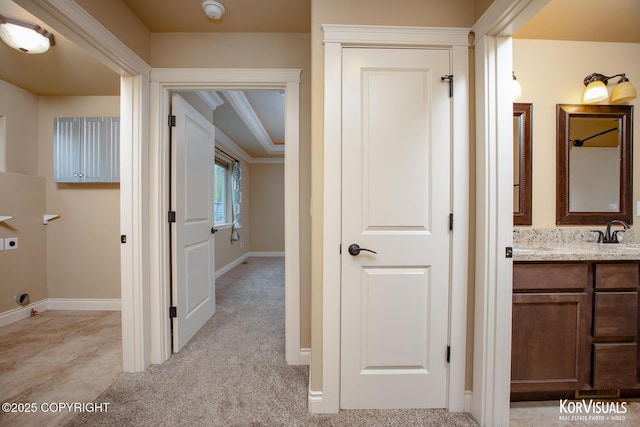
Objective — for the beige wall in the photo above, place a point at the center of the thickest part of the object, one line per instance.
(431, 13)
(83, 245)
(254, 50)
(20, 111)
(267, 208)
(122, 22)
(24, 269)
(550, 73)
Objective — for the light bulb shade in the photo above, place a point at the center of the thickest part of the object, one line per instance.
(623, 92)
(516, 89)
(24, 36)
(595, 91)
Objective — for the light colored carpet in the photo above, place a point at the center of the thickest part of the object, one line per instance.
(233, 372)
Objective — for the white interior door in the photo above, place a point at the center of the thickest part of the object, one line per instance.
(396, 143)
(192, 241)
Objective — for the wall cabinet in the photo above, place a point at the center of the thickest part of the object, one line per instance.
(86, 149)
(575, 328)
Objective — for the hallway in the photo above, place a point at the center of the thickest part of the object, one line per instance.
(233, 372)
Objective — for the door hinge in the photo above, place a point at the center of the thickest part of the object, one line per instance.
(172, 216)
(448, 354)
(172, 120)
(448, 78)
(123, 239)
(173, 312)
(340, 248)
(450, 221)
(508, 252)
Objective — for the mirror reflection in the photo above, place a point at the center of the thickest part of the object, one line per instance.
(594, 163)
(594, 141)
(522, 164)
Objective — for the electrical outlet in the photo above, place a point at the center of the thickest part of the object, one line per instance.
(1, 244)
(11, 243)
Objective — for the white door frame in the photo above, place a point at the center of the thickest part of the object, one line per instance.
(163, 81)
(494, 207)
(337, 37)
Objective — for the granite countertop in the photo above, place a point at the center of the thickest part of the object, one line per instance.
(571, 244)
(578, 251)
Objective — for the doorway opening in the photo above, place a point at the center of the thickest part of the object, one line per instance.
(165, 82)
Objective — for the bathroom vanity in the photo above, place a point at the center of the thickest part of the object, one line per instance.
(575, 321)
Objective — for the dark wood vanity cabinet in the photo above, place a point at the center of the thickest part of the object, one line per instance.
(575, 327)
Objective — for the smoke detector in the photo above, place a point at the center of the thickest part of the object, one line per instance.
(213, 9)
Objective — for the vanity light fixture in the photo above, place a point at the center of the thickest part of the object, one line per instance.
(596, 89)
(516, 89)
(25, 36)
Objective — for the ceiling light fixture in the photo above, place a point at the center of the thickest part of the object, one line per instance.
(213, 9)
(25, 36)
(596, 89)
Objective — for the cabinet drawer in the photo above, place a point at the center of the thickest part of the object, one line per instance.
(617, 276)
(614, 365)
(615, 314)
(552, 276)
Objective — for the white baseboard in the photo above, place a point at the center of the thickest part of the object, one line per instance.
(266, 254)
(468, 396)
(231, 265)
(315, 402)
(305, 356)
(97, 304)
(21, 312)
(81, 304)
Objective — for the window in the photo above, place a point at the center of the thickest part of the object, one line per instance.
(221, 193)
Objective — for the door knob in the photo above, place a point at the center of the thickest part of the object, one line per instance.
(354, 249)
(214, 230)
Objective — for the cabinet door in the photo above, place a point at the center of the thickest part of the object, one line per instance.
(67, 137)
(550, 342)
(112, 150)
(101, 149)
(93, 151)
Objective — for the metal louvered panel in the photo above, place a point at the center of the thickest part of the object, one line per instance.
(66, 136)
(86, 149)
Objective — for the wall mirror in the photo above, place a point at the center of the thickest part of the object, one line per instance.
(594, 163)
(522, 164)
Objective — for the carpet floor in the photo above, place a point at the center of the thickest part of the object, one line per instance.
(233, 372)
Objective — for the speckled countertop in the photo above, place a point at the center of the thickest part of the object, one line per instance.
(572, 244)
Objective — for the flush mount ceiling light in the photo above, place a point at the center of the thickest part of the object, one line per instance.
(596, 89)
(213, 9)
(25, 36)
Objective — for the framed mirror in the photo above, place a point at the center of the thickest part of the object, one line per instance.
(594, 164)
(522, 214)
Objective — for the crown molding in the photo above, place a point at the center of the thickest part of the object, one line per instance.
(241, 104)
(211, 98)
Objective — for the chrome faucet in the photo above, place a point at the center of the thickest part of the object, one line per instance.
(608, 236)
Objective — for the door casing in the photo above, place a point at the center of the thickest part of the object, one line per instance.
(336, 38)
(163, 82)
